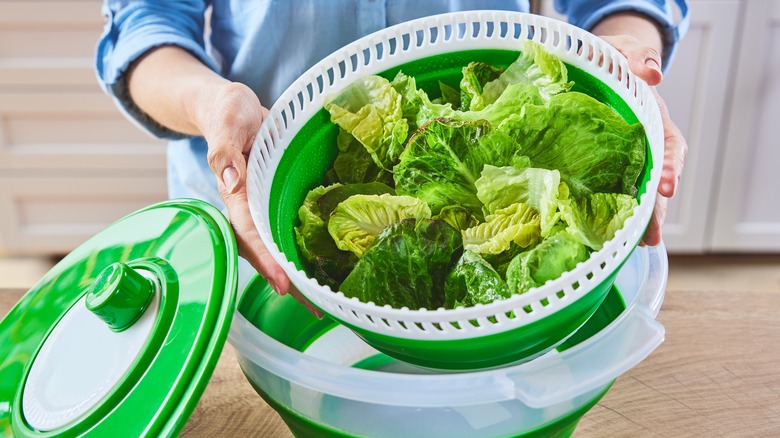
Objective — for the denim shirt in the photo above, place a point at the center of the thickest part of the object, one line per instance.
(268, 44)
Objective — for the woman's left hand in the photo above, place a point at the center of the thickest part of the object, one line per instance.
(645, 62)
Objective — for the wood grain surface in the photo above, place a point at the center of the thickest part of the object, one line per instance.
(716, 375)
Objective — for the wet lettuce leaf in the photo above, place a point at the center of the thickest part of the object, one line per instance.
(371, 110)
(458, 217)
(444, 159)
(500, 187)
(546, 261)
(587, 141)
(517, 224)
(406, 266)
(595, 218)
(331, 265)
(358, 220)
(475, 76)
(473, 281)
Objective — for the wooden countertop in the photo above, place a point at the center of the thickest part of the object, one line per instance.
(716, 374)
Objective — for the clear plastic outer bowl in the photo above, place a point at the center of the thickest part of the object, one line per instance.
(320, 393)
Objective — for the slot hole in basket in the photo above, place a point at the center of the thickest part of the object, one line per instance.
(386, 322)
(503, 29)
(320, 84)
(461, 31)
(589, 276)
(517, 31)
(510, 315)
(342, 69)
(380, 51)
(560, 294)
(490, 29)
(575, 286)
(284, 120)
(310, 90)
(603, 265)
(528, 309)
(331, 76)
(544, 302)
(406, 41)
(476, 27)
(301, 100)
(366, 56)
(392, 44)
(419, 38)
(434, 32)
(447, 32)
(353, 59)
(291, 105)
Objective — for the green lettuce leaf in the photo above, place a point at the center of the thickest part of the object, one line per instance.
(444, 159)
(587, 141)
(406, 266)
(372, 111)
(356, 221)
(331, 265)
(594, 219)
(475, 76)
(548, 260)
(500, 187)
(534, 67)
(518, 224)
(473, 281)
(458, 217)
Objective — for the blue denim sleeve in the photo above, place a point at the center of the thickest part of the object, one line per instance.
(587, 13)
(134, 27)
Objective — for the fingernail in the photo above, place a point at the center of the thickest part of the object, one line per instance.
(276, 288)
(651, 63)
(230, 178)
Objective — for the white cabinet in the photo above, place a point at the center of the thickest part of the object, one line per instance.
(697, 88)
(70, 163)
(747, 196)
(724, 91)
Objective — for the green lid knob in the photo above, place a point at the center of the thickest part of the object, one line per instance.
(119, 296)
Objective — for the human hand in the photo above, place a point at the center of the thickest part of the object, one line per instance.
(645, 62)
(233, 118)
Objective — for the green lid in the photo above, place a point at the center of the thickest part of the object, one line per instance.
(121, 337)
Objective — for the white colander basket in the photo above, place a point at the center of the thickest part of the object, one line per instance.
(435, 35)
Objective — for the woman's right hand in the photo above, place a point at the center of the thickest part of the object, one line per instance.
(228, 115)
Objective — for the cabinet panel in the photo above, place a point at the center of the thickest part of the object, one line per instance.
(695, 88)
(55, 215)
(748, 200)
(48, 42)
(75, 131)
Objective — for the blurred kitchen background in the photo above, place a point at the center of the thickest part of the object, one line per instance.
(70, 164)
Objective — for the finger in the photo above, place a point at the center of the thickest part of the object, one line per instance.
(306, 303)
(644, 61)
(675, 151)
(251, 246)
(653, 235)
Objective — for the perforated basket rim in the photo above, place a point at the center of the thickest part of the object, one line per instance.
(434, 35)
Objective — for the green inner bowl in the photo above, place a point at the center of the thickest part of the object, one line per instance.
(310, 155)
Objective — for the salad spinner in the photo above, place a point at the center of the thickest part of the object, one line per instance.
(326, 382)
(296, 145)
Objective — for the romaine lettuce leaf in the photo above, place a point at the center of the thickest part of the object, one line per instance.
(475, 76)
(594, 219)
(500, 187)
(518, 224)
(444, 159)
(458, 217)
(331, 265)
(473, 281)
(372, 111)
(406, 266)
(356, 221)
(535, 67)
(587, 141)
(548, 260)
